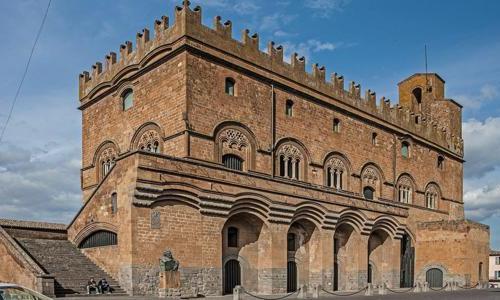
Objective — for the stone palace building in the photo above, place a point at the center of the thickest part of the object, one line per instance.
(254, 172)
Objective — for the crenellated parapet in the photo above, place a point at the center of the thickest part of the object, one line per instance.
(188, 31)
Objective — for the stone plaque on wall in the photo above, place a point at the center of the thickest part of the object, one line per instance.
(155, 219)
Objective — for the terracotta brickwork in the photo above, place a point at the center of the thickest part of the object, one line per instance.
(240, 163)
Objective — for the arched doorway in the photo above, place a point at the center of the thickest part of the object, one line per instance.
(434, 278)
(303, 251)
(291, 277)
(346, 258)
(407, 262)
(370, 270)
(232, 276)
(383, 258)
(245, 251)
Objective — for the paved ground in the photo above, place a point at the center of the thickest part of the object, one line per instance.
(489, 294)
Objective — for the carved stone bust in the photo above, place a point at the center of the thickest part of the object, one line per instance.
(168, 262)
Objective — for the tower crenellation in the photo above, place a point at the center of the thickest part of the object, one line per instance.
(188, 24)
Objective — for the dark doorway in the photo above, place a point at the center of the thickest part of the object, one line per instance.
(336, 243)
(407, 262)
(232, 276)
(369, 277)
(434, 278)
(291, 277)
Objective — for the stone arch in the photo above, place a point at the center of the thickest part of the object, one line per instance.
(148, 137)
(178, 196)
(253, 250)
(384, 254)
(311, 212)
(307, 252)
(289, 149)
(405, 188)
(105, 158)
(354, 218)
(373, 177)
(336, 161)
(421, 275)
(387, 224)
(232, 138)
(250, 205)
(92, 228)
(349, 251)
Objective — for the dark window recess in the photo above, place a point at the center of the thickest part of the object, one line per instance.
(232, 237)
(291, 242)
(229, 88)
(282, 166)
(289, 108)
(99, 239)
(114, 204)
(440, 162)
(368, 193)
(232, 162)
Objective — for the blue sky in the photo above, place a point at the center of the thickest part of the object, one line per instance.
(375, 43)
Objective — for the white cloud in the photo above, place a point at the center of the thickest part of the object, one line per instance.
(475, 101)
(483, 202)
(482, 141)
(324, 8)
(308, 48)
(275, 22)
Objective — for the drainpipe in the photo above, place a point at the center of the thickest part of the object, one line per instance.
(273, 130)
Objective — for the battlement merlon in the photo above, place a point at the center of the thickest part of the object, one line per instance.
(188, 30)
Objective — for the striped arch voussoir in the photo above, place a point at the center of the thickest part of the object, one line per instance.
(94, 227)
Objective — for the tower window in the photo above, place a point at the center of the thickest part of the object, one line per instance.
(232, 237)
(128, 99)
(368, 192)
(289, 108)
(417, 95)
(440, 162)
(405, 149)
(336, 125)
(232, 161)
(374, 138)
(229, 88)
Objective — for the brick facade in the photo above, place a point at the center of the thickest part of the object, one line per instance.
(173, 191)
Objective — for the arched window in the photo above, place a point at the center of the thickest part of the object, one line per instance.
(150, 141)
(405, 149)
(440, 162)
(431, 197)
(289, 108)
(99, 238)
(335, 172)
(405, 190)
(291, 246)
(114, 203)
(232, 161)
(127, 99)
(290, 160)
(107, 160)
(229, 88)
(368, 192)
(336, 125)
(232, 237)
(417, 95)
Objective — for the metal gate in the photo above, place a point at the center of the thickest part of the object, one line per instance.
(291, 277)
(407, 262)
(434, 278)
(232, 276)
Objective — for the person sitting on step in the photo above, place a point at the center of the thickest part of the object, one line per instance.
(92, 285)
(103, 286)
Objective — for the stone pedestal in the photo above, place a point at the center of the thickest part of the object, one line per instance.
(170, 284)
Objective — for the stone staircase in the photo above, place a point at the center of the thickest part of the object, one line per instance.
(69, 266)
